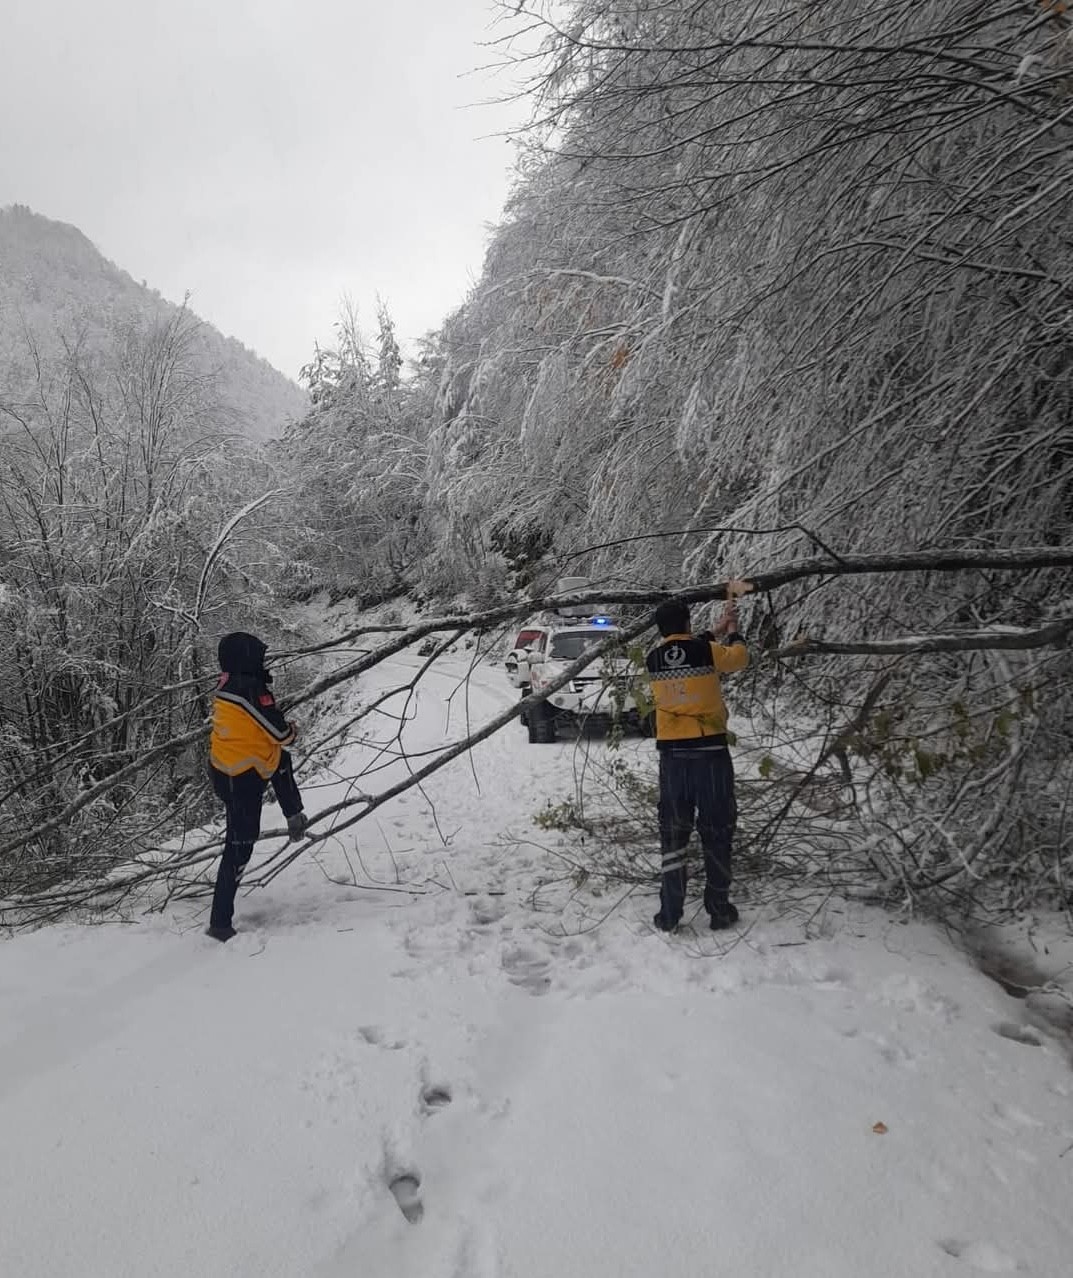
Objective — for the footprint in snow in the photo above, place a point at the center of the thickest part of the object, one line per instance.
(485, 911)
(528, 969)
(893, 1053)
(421, 944)
(983, 1256)
(1018, 1033)
(405, 1187)
(1011, 1117)
(832, 978)
(434, 1097)
(374, 1036)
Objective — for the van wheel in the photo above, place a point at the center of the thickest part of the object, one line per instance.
(541, 724)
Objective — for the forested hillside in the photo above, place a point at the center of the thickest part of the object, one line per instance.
(795, 278)
(56, 288)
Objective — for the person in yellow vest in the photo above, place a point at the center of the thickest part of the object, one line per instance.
(696, 775)
(246, 752)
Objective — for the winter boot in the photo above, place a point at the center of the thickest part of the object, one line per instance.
(723, 915)
(221, 933)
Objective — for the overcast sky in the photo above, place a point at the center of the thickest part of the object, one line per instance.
(264, 155)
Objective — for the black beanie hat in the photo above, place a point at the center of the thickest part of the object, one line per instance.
(241, 653)
(672, 617)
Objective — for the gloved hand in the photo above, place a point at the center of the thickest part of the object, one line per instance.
(296, 826)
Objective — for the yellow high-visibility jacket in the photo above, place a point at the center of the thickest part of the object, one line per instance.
(684, 672)
(248, 728)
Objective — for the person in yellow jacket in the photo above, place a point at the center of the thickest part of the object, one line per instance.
(696, 775)
(246, 752)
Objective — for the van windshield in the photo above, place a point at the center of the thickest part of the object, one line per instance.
(574, 643)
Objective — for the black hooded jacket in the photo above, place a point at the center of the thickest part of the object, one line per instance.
(248, 728)
(240, 653)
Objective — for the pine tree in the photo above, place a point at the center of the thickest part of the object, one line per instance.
(390, 359)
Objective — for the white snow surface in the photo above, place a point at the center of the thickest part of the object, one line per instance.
(607, 1102)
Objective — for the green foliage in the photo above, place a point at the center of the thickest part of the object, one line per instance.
(637, 792)
(638, 788)
(962, 741)
(565, 816)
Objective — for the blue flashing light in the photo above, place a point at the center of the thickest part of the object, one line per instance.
(601, 621)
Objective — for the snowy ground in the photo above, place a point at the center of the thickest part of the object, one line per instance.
(608, 1104)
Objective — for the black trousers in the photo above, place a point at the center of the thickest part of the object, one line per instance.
(242, 797)
(696, 788)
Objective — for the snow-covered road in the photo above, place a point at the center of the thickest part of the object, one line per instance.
(614, 1103)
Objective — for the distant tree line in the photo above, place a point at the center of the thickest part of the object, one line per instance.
(118, 470)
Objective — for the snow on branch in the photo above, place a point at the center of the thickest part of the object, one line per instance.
(995, 637)
(218, 545)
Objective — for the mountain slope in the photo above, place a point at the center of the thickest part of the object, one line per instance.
(54, 284)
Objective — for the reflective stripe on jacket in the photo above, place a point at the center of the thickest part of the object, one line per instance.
(248, 729)
(684, 672)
